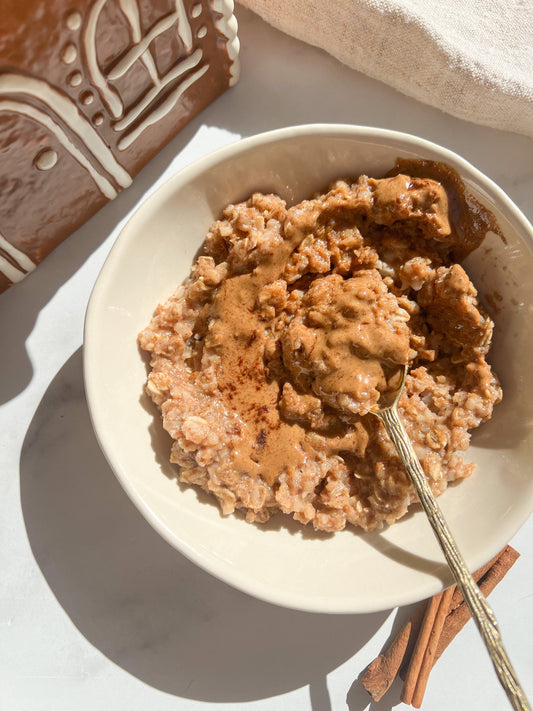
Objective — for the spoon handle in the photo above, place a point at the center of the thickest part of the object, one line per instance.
(479, 608)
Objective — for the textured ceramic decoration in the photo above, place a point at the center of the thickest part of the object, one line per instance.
(90, 90)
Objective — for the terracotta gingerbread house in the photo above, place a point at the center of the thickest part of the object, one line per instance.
(90, 90)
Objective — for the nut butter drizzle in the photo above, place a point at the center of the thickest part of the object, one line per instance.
(271, 445)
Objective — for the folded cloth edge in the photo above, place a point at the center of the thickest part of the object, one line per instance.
(402, 49)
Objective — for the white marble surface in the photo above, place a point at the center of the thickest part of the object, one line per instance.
(96, 609)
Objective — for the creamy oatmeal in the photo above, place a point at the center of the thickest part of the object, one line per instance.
(266, 362)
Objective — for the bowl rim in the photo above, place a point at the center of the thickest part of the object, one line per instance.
(363, 133)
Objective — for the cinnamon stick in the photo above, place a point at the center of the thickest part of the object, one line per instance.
(458, 617)
(420, 649)
(380, 674)
(429, 654)
(457, 598)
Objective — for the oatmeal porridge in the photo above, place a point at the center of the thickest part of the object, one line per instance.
(266, 361)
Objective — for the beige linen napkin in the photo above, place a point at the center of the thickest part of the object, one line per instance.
(471, 58)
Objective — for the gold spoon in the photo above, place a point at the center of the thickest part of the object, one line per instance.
(479, 608)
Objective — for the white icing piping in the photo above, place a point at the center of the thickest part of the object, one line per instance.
(9, 271)
(184, 28)
(174, 73)
(138, 50)
(131, 13)
(162, 110)
(109, 96)
(66, 109)
(22, 259)
(41, 117)
(228, 27)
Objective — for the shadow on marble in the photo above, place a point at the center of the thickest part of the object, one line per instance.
(20, 305)
(140, 602)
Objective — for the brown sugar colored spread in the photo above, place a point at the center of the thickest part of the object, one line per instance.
(267, 360)
(345, 340)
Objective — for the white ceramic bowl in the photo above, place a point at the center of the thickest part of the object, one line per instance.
(287, 564)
